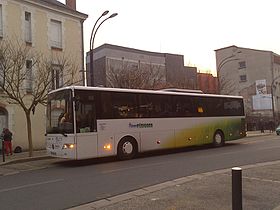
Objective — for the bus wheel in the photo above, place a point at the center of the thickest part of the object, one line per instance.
(218, 139)
(127, 148)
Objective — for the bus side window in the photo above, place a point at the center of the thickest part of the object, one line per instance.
(124, 105)
(105, 107)
(145, 106)
(85, 113)
(183, 106)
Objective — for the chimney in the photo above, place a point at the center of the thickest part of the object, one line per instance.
(71, 4)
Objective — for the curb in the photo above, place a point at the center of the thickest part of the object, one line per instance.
(258, 134)
(26, 159)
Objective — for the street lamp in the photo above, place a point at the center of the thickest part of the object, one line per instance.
(222, 63)
(92, 37)
(103, 14)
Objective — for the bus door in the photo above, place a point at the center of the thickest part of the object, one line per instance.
(85, 115)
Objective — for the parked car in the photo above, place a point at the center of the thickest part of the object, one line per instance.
(278, 130)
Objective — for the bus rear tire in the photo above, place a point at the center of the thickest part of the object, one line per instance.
(218, 139)
(127, 148)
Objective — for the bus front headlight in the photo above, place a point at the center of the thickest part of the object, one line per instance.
(68, 146)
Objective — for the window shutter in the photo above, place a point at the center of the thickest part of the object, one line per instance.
(28, 78)
(1, 21)
(28, 37)
(1, 75)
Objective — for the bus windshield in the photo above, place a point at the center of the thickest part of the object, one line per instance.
(60, 113)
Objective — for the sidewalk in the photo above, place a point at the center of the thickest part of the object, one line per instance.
(23, 157)
(259, 133)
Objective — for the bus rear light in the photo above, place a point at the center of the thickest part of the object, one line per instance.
(68, 146)
(107, 147)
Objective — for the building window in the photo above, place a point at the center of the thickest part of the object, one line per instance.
(1, 21)
(242, 64)
(56, 34)
(29, 78)
(57, 76)
(243, 78)
(28, 36)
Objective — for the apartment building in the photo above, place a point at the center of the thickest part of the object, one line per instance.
(255, 75)
(164, 69)
(52, 29)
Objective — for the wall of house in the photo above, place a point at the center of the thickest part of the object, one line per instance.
(169, 67)
(174, 68)
(108, 56)
(129, 54)
(259, 65)
(13, 21)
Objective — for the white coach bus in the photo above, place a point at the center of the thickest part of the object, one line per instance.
(89, 122)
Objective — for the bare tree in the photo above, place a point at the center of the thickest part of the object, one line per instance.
(140, 76)
(20, 67)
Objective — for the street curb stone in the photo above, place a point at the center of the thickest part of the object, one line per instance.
(27, 159)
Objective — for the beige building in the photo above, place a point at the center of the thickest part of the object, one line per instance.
(48, 27)
(255, 75)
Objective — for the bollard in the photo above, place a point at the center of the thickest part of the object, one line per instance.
(236, 173)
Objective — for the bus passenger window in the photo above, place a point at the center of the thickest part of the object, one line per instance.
(86, 121)
(85, 113)
(124, 105)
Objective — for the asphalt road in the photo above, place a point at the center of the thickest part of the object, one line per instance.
(65, 184)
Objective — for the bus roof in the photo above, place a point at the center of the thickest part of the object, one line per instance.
(181, 90)
(164, 91)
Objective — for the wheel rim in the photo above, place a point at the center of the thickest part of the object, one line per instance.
(218, 138)
(127, 148)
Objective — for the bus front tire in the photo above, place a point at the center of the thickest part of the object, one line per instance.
(127, 148)
(218, 139)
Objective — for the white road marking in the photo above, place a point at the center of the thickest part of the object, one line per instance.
(30, 185)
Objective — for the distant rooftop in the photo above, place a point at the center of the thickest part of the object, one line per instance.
(246, 49)
(59, 5)
(127, 49)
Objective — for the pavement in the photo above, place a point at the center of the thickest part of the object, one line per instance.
(211, 190)
(23, 157)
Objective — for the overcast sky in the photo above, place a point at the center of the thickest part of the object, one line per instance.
(193, 28)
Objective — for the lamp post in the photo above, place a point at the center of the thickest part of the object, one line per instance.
(92, 37)
(222, 63)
